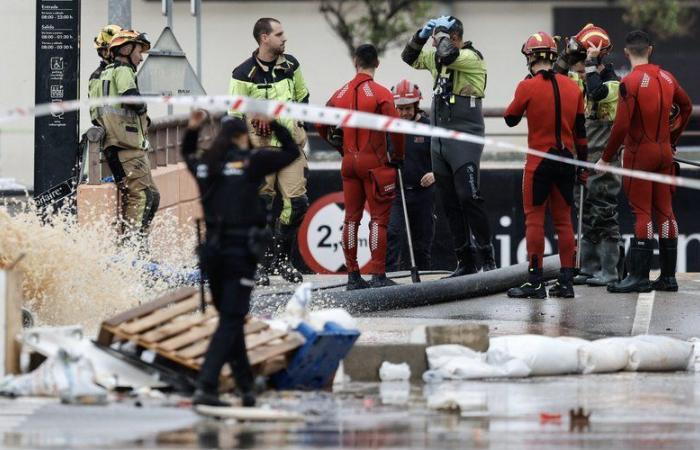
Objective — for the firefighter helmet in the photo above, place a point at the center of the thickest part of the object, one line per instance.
(105, 36)
(540, 46)
(125, 37)
(406, 93)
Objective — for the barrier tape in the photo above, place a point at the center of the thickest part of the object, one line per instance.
(329, 116)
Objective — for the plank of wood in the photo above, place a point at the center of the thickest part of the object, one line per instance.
(178, 325)
(189, 337)
(149, 307)
(290, 342)
(162, 315)
(253, 326)
(253, 341)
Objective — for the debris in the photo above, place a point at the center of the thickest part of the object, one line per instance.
(394, 372)
(70, 377)
(579, 420)
(249, 414)
(395, 392)
(467, 402)
(553, 418)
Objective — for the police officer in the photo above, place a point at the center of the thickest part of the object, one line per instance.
(101, 42)
(583, 60)
(460, 80)
(418, 184)
(235, 239)
(126, 127)
(272, 74)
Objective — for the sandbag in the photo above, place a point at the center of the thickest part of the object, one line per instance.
(658, 353)
(542, 354)
(604, 355)
(394, 372)
(456, 362)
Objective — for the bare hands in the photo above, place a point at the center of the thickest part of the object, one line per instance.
(601, 165)
(261, 126)
(427, 180)
(594, 51)
(197, 118)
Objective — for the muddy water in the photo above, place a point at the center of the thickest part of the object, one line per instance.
(78, 273)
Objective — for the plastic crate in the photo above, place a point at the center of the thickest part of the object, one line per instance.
(314, 364)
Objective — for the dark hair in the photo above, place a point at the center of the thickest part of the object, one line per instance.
(637, 42)
(367, 56)
(263, 26)
(231, 127)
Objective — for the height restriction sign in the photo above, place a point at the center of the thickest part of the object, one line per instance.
(321, 232)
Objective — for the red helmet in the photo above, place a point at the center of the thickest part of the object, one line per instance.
(593, 36)
(540, 45)
(406, 93)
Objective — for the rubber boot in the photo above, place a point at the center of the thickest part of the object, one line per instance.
(641, 251)
(380, 280)
(534, 288)
(261, 276)
(264, 269)
(668, 253)
(590, 263)
(465, 261)
(204, 397)
(608, 253)
(355, 281)
(564, 286)
(283, 264)
(488, 258)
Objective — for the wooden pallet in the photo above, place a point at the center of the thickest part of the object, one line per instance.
(173, 328)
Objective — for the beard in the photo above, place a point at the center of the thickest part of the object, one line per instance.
(279, 50)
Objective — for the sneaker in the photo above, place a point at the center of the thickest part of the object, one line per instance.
(528, 290)
(202, 397)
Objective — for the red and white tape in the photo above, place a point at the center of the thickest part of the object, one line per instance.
(329, 116)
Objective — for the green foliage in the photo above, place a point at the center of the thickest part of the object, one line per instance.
(664, 18)
(384, 23)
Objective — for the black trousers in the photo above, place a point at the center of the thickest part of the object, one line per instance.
(230, 268)
(420, 206)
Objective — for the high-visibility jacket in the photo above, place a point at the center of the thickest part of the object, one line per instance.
(126, 126)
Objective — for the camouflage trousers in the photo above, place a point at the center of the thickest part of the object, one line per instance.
(600, 216)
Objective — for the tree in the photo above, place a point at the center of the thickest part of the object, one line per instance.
(384, 23)
(664, 18)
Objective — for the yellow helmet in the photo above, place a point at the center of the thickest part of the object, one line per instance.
(105, 36)
(130, 37)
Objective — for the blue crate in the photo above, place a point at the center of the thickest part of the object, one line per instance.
(315, 363)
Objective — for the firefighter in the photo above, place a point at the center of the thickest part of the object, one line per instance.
(270, 73)
(235, 237)
(418, 185)
(584, 61)
(647, 95)
(459, 72)
(126, 130)
(368, 173)
(555, 111)
(101, 42)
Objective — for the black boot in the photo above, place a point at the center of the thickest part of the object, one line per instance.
(488, 258)
(245, 384)
(283, 264)
(590, 263)
(465, 261)
(261, 276)
(534, 288)
(380, 280)
(204, 397)
(641, 251)
(668, 252)
(355, 281)
(608, 253)
(564, 287)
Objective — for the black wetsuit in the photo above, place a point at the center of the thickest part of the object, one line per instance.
(235, 217)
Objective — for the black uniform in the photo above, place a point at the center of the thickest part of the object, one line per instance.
(235, 217)
(419, 203)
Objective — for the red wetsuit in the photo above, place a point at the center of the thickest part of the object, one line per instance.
(365, 171)
(555, 111)
(642, 123)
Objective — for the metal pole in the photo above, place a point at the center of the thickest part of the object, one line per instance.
(686, 161)
(579, 232)
(415, 276)
(168, 12)
(196, 10)
(119, 13)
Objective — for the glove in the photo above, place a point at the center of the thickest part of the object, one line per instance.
(582, 176)
(282, 133)
(262, 127)
(445, 22)
(427, 30)
(335, 137)
(396, 163)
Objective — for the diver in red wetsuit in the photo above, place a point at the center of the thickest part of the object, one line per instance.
(554, 107)
(368, 174)
(642, 123)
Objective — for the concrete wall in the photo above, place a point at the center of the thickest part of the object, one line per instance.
(496, 28)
